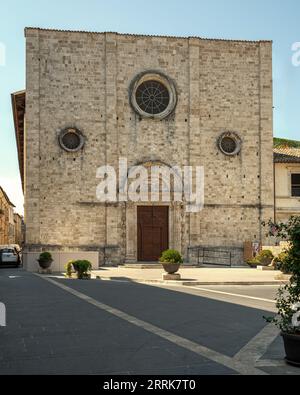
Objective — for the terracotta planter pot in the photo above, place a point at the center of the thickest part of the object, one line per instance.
(171, 268)
(292, 348)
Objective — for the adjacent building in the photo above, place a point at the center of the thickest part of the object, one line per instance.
(6, 219)
(93, 98)
(287, 182)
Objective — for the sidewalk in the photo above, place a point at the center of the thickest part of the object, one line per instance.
(194, 276)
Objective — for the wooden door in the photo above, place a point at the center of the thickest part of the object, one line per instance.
(153, 232)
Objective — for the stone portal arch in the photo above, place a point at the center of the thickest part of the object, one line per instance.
(176, 226)
(168, 177)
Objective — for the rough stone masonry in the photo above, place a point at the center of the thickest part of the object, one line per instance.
(218, 115)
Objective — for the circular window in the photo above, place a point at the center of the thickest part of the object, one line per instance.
(230, 143)
(153, 95)
(71, 140)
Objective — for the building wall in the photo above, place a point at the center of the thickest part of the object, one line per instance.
(4, 227)
(82, 79)
(6, 220)
(286, 204)
(19, 230)
(11, 226)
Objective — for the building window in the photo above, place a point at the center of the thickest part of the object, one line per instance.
(153, 95)
(230, 143)
(296, 185)
(71, 140)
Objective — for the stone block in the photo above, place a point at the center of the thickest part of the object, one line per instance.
(266, 268)
(171, 277)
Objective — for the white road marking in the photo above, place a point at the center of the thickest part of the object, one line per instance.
(231, 363)
(265, 363)
(258, 346)
(233, 294)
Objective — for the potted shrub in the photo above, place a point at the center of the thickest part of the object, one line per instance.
(45, 260)
(171, 261)
(288, 299)
(264, 258)
(83, 269)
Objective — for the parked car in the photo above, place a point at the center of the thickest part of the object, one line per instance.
(10, 255)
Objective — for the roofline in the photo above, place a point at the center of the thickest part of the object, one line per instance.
(284, 157)
(19, 215)
(17, 131)
(18, 92)
(146, 35)
(286, 161)
(7, 198)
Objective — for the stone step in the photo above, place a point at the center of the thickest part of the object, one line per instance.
(141, 266)
(149, 266)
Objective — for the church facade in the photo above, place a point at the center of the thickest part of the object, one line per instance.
(94, 98)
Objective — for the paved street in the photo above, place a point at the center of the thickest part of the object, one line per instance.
(59, 326)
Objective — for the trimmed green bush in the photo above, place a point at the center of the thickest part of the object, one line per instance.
(82, 268)
(45, 257)
(264, 258)
(171, 256)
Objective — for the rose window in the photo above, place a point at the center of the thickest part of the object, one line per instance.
(152, 97)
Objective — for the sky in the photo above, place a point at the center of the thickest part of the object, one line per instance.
(275, 20)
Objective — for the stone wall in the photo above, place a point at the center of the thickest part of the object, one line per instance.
(60, 259)
(82, 80)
